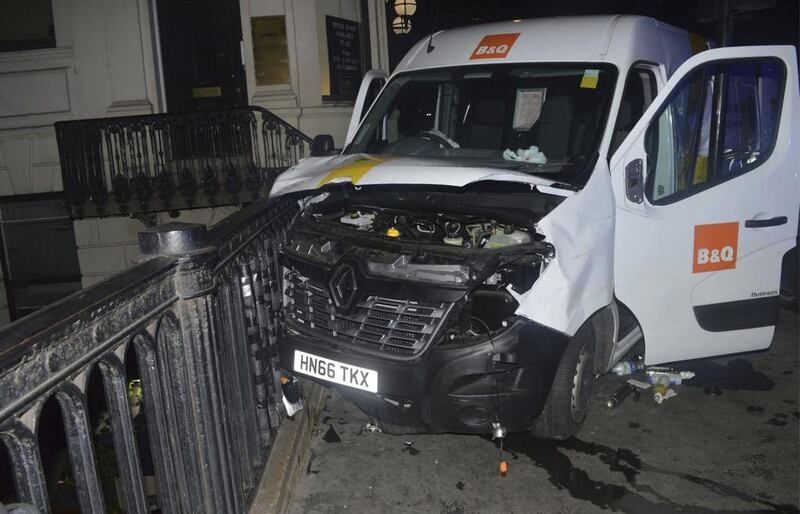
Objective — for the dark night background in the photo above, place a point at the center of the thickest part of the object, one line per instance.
(775, 21)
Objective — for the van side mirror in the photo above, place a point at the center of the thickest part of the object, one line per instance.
(322, 145)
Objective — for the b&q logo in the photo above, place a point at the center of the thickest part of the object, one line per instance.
(494, 46)
(715, 246)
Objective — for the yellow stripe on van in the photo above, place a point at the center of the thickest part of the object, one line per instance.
(354, 170)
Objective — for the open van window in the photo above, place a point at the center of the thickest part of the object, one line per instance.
(476, 114)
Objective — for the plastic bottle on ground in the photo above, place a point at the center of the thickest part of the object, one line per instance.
(623, 368)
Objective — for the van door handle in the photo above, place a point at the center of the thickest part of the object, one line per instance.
(771, 222)
(634, 181)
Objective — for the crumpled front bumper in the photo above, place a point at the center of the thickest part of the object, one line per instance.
(456, 388)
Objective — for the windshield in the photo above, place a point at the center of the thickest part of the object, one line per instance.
(539, 118)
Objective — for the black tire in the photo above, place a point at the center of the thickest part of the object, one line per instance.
(565, 409)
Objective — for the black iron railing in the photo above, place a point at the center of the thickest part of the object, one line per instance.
(198, 320)
(166, 162)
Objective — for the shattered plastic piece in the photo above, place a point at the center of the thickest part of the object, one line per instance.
(369, 427)
(532, 154)
(292, 407)
(639, 384)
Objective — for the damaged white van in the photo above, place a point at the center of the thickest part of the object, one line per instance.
(523, 202)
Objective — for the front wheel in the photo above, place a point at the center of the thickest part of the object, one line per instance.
(565, 410)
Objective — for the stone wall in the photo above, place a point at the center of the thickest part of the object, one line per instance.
(107, 246)
(106, 63)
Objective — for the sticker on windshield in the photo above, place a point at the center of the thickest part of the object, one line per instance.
(715, 246)
(590, 79)
(494, 46)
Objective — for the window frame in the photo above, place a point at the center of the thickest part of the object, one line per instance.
(646, 66)
(14, 309)
(713, 177)
(33, 45)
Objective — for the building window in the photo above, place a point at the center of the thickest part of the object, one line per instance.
(40, 259)
(26, 25)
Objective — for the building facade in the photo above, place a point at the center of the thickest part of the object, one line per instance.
(78, 59)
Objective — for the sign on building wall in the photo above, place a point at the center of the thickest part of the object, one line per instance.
(270, 50)
(344, 57)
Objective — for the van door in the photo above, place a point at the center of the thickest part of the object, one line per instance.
(371, 85)
(706, 191)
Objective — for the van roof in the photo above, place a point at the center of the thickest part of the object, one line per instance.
(609, 38)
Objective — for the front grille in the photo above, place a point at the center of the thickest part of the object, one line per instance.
(403, 327)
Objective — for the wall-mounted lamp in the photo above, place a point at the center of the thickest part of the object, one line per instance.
(401, 25)
(405, 8)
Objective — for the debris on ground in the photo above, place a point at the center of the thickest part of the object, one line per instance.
(669, 375)
(661, 379)
(639, 384)
(628, 367)
(369, 427)
(331, 436)
(292, 394)
(409, 448)
(620, 395)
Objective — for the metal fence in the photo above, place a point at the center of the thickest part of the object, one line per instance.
(199, 316)
(173, 161)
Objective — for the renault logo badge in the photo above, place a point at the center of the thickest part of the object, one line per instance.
(343, 286)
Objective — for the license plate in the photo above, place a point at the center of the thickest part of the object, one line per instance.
(336, 372)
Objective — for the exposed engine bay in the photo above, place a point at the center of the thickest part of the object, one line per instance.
(458, 264)
(455, 230)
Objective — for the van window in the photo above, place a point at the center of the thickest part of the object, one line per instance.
(640, 90)
(720, 122)
(486, 114)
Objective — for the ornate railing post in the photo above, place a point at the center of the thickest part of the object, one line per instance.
(190, 367)
(192, 330)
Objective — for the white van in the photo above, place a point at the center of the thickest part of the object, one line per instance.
(523, 202)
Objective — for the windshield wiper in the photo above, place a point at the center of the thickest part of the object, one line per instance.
(531, 166)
